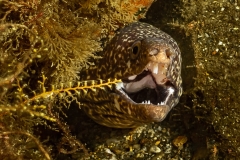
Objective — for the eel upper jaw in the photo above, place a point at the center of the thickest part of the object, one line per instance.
(150, 87)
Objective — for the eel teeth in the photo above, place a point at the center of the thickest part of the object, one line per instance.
(155, 68)
(162, 103)
(146, 102)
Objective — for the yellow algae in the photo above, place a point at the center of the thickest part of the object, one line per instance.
(43, 47)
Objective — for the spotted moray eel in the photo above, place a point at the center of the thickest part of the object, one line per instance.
(148, 62)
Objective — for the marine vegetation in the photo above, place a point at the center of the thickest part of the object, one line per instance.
(43, 47)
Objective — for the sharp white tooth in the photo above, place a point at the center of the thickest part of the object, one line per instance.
(158, 104)
(132, 77)
(162, 103)
(171, 91)
(155, 68)
(149, 102)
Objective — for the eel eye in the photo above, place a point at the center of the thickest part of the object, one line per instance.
(135, 50)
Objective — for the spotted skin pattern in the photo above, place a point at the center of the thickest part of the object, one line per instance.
(111, 107)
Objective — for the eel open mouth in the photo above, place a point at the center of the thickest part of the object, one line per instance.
(151, 86)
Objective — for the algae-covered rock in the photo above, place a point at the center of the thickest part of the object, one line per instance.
(214, 28)
(209, 31)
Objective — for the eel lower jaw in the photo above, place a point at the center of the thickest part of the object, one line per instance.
(150, 87)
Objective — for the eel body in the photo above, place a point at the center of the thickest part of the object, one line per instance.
(148, 63)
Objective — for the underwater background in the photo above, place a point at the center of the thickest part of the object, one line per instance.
(44, 45)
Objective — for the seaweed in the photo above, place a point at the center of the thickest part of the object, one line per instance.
(43, 47)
